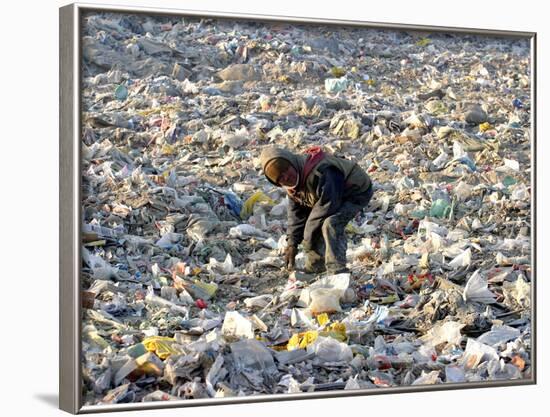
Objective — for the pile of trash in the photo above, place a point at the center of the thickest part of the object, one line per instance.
(184, 291)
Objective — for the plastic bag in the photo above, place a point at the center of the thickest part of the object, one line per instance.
(299, 318)
(338, 282)
(500, 370)
(336, 85)
(324, 300)
(476, 290)
(464, 259)
(162, 346)
(454, 373)
(252, 355)
(499, 335)
(225, 267)
(236, 326)
(248, 206)
(477, 353)
(279, 210)
(302, 340)
(233, 202)
(518, 292)
(428, 378)
(331, 350)
(448, 332)
(168, 240)
(246, 230)
(259, 301)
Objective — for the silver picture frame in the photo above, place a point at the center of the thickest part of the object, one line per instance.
(70, 331)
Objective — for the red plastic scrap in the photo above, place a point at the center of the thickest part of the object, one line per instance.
(412, 278)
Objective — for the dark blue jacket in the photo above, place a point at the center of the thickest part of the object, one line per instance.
(305, 222)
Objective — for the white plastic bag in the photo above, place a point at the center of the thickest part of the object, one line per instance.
(427, 378)
(448, 332)
(225, 267)
(464, 259)
(477, 353)
(454, 373)
(499, 335)
(324, 300)
(476, 290)
(331, 350)
(236, 326)
(243, 231)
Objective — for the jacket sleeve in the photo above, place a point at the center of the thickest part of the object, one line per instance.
(330, 191)
(297, 217)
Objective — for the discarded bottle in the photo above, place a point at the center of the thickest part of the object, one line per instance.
(440, 208)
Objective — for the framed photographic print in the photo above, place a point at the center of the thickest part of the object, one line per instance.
(259, 208)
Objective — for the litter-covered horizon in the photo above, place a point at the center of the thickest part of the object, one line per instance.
(184, 291)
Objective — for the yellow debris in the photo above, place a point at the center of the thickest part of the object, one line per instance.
(337, 72)
(209, 287)
(423, 42)
(248, 205)
(336, 331)
(323, 319)
(168, 149)
(162, 346)
(483, 127)
(302, 340)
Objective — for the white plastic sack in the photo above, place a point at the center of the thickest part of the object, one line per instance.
(259, 301)
(464, 259)
(279, 210)
(331, 350)
(168, 240)
(236, 326)
(246, 230)
(427, 378)
(477, 353)
(324, 300)
(454, 373)
(448, 332)
(518, 291)
(339, 282)
(225, 267)
(299, 318)
(476, 290)
(499, 335)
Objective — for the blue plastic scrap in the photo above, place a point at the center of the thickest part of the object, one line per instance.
(233, 202)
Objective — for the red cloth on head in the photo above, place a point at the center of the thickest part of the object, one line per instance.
(314, 155)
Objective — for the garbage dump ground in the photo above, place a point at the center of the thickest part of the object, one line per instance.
(183, 288)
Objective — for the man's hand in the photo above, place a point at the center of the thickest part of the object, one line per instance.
(290, 257)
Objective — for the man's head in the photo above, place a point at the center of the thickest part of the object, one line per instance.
(278, 167)
(281, 172)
